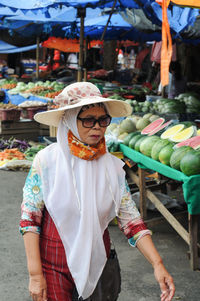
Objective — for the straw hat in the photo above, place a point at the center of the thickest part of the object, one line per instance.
(80, 94)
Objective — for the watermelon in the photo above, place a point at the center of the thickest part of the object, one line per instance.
(158, 146)
(171, 131)
(193, 142)
(147, 144)
(165, 154)
(128, 137)
(142, 123)
(138, 142)
(177, 155)
(152, 126)
(127, 125)
(190, 163)
(160, 128)
(134, 140)
(184, 134)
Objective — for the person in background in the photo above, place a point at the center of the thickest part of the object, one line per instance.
(72, 61)
(73, 190)
(178, 82)
(120, 58)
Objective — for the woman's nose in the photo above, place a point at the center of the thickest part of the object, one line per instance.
(96, 125)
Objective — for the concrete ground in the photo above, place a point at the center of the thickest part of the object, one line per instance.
(138, 283)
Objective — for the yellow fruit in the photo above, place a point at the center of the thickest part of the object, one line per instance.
(172, 131)
(184, 134)
(198, 132)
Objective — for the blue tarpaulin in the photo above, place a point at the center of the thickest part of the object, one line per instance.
(7, 48)
(17, 98)
(43, 5)
(117, 28)
(179, 18)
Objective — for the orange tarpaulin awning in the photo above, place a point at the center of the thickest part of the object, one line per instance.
(166, 51)
(67, 45)
(189, 3)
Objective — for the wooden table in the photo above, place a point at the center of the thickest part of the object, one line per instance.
(190, 236)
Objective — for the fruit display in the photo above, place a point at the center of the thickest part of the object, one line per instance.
(167, 142)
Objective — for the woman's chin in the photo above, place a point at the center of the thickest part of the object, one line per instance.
(93, 140)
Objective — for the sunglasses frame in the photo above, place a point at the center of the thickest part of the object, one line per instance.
(95, 121)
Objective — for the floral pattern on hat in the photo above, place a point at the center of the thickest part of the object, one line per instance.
(73, 95)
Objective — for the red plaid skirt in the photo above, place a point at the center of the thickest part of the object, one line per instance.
(60, 284)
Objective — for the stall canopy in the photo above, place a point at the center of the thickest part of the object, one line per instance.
(27, 27)
(47, 17)
(118, 29)
(179, 17)
(8, 48)
(44, 5)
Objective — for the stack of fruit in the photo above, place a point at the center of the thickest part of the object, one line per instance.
(176, 145)
(170, 142)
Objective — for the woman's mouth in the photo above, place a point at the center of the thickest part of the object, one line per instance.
(95, 136)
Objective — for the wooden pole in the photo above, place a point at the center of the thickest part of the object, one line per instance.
(105, 28)
(81, 15)
(85, 58)
(37, 57)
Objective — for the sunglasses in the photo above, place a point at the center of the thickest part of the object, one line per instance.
(91, 121)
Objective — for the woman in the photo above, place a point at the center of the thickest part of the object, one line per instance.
(73, 190)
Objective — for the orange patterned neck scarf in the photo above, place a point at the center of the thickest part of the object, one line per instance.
(85, 151)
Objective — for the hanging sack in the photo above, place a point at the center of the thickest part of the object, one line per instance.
(109, 284)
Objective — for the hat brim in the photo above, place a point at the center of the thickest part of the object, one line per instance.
(116, 108)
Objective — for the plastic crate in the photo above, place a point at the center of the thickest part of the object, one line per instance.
(10, 114)
(31, 111)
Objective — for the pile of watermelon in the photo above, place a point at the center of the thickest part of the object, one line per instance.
(175, 145)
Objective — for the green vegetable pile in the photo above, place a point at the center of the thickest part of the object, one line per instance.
(32, 151)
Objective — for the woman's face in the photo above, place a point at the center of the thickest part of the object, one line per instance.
(92, 135)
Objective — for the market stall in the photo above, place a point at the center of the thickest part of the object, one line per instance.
(191, 194)
(171, 150)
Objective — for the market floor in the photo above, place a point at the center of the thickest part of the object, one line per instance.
(138, 283)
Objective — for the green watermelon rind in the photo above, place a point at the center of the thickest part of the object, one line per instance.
(134, 140)
(147, 144)
(129, 137)
(190, 163)
(165, 154)
(158, 146)
(177, 155)
(138, 143)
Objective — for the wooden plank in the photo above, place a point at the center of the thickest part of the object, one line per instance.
(53, 131)
(158, 220)
(142, 189)
(169, 217)
(193, 237)
(26, 136)
(19, 124)
(161, 208)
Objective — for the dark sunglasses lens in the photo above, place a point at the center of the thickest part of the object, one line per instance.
(88, 122)
(103, 122)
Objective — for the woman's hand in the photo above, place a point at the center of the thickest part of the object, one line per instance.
(38, 287)
(165, 281)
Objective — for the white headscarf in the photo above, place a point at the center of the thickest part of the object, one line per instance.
(82, 197)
